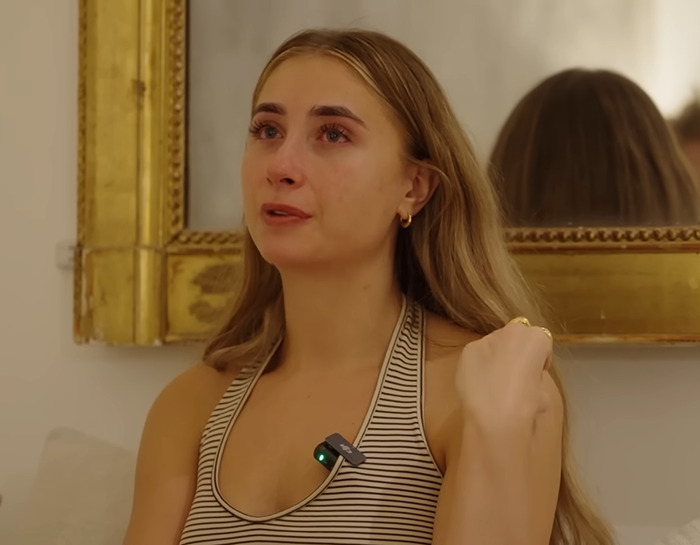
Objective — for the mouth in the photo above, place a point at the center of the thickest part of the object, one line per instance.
(283, 210)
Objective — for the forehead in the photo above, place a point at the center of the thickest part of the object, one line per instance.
(306, 81)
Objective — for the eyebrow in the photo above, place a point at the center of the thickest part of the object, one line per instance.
(270, 108)
(336, 111)
(317, 111)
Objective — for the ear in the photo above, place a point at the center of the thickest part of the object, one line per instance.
(422, 182)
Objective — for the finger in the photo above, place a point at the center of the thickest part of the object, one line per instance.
(548, 363)
(539, 345)
(544, 401)
(550, 343)
(548, 393)
(542, 346)
(520, 320)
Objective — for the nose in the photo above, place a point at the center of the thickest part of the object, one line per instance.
(286, 164)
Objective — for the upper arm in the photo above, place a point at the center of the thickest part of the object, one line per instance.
(166, 466)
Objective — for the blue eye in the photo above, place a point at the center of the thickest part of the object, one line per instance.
(334, 134)
(264, 131)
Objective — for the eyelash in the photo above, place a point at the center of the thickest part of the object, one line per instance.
(334, 127)
(258, 126)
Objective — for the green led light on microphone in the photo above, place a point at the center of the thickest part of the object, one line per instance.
(328, 452)
(325, 456)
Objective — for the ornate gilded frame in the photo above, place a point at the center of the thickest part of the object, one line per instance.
(142, 277)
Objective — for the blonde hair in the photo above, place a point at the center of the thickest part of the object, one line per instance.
(453, 260)
(590, 147)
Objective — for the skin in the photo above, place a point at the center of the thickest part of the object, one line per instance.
(349, 176)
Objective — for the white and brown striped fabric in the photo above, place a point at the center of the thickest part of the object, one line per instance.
(391, 498)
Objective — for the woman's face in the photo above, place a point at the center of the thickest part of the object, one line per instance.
(324, 175)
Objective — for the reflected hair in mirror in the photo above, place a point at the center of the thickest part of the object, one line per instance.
(590, 148)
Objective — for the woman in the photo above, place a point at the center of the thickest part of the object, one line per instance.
(590, 148)
(376, 302)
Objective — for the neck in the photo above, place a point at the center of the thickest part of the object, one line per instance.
(339, 320)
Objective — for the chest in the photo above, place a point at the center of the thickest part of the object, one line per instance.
(267, 463)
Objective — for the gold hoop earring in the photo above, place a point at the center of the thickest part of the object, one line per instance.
(406, 222)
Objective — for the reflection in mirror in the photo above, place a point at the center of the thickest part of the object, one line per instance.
(487, 56)
(590, 148)
(687, 129)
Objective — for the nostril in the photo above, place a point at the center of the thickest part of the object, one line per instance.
(288, 181)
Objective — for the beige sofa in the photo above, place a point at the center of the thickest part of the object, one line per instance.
(688, 535)
(81, 493)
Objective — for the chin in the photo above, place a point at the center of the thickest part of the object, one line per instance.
(288, 256)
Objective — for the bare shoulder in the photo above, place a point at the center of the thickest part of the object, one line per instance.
(444, 344)
(445, 340)
(178, 415)
(192, 394)
(167, 460)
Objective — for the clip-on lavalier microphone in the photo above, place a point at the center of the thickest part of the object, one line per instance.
(335, 445)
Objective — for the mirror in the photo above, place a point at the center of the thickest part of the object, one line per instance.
(487, 56)
(162, 121)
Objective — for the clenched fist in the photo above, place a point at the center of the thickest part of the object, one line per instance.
(502, 379)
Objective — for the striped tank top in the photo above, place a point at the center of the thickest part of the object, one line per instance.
(390, 498)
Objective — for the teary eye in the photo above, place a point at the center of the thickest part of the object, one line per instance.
(334, 134)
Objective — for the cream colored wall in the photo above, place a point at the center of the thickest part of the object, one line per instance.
(45, 380)
(636, 417)
(677, 45)
(636, 410)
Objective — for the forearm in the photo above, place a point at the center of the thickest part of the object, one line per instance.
(491, 499)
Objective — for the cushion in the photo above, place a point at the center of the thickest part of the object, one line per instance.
(81, 493)
(687, 535)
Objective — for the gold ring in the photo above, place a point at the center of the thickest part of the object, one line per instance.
(548, 333)
(526, 323)
(520, 320)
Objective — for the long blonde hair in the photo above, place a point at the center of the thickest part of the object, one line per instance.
(453, 259)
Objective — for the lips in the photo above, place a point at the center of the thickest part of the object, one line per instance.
(283, 210)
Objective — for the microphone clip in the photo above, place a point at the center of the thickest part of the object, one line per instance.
(327, 452)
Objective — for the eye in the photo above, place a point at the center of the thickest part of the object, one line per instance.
(334, 134)
(264, 131)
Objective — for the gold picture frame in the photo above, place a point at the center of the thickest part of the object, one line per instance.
(143, 278)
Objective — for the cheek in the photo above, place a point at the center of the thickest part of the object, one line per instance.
(364, 199)
(389, 186)
(249, 180)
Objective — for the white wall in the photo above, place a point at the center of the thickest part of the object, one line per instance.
(636, 418)
(677, 47)
(635, 410)
(45, 380)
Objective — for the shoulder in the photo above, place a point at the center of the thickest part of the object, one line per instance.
(445, 340)
(190, 397)
(444, 344)
(168, 453)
